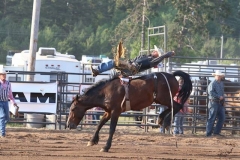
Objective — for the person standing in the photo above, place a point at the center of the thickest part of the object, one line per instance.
(138, 118)
(96, 114)
(216, 105)
(179, 117)
(5, 94)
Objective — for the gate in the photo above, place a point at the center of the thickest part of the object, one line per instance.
(201, 72)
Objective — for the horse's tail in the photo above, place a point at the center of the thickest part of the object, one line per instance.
(186, 89)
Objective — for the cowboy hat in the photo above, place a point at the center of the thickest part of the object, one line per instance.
(2, 70)
(159, 50)
(218, 73)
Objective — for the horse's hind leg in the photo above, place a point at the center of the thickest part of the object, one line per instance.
(95, 138)
(162, 116)
(168, 117)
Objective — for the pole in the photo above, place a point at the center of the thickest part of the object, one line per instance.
(143, 26)
(142, 48)
(165, 49)
(33, 38)
(221, 56)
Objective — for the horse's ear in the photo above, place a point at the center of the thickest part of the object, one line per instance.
(76, 98)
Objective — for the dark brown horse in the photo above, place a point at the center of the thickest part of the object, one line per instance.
(143, 91)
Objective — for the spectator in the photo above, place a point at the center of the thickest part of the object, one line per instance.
(96, 114)
(5, 94)
(179, 117)
(138, 119)
(216, 105)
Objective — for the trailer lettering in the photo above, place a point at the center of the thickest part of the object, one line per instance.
(51, 67)
(33, 97)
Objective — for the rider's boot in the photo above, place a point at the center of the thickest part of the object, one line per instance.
(95, 72)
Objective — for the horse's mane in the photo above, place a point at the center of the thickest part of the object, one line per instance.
(97, 86)
(143, 76)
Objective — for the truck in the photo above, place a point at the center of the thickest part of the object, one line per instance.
(9, 56)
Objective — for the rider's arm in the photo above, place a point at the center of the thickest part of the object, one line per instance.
(139, 57)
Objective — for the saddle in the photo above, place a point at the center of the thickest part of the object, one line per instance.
(127, 69)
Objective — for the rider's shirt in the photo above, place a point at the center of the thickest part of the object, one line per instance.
(143, 61)
(215, 90)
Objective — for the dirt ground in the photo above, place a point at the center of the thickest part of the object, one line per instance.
(128, 143)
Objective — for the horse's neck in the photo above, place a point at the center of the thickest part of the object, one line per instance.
(91, 101)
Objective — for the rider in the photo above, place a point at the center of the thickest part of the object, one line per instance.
(131, 67)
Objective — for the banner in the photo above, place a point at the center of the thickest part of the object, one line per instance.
(34, 97)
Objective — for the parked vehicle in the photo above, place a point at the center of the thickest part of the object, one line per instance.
(9, 56)
(49, 60)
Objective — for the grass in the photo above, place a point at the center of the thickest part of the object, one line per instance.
(15, 125)
(125, 119)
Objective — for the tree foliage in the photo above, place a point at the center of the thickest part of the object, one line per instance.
(93, 27)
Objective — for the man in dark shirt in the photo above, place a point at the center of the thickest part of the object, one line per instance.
(216, 105)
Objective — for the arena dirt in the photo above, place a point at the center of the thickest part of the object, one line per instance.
(128, 143)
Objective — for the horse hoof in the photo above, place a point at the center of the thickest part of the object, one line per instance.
(90, 144)
(103, 150)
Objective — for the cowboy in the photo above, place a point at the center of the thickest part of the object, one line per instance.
(216, 104)
(131, 67)
(5, 94)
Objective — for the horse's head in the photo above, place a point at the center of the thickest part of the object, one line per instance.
(76, 113)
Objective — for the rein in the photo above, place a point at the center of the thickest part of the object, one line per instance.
(170, 97)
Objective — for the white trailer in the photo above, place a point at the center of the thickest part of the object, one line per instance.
(47, 60)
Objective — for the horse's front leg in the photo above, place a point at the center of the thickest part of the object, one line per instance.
(113, 124)
(95, 138)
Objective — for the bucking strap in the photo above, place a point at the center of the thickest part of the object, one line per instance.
(126, 91)
(126, 97)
